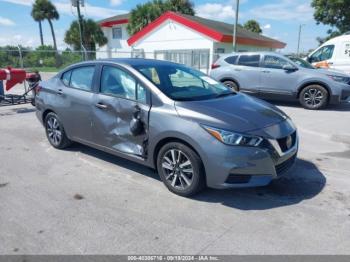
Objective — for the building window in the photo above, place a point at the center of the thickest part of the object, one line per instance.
(198, 59)
(117, 33)
(220, 50)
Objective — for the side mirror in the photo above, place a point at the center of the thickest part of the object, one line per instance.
(289, 68)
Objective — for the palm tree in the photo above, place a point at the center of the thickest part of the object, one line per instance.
(145, 13)
(38, 17)
(45, 10)
(180, 6)
(253, 26)
(92, 35)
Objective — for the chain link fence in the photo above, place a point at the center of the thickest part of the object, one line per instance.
(51, 61)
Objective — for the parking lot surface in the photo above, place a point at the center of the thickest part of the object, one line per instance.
(83, 201)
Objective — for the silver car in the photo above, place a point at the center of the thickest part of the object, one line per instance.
(273, 76)
(195, 131)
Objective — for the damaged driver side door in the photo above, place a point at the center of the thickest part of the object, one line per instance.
(120, 112)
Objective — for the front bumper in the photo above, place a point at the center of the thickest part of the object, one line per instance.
(341, 95)
(237, 167)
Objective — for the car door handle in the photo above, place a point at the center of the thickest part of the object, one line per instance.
(266, 71)
(101, 106)
(60, 92)
(237, 69)
(330, 63)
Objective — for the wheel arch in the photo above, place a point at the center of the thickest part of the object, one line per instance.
(46, 112)
(171, 139)
(315, 83)
(230, 79)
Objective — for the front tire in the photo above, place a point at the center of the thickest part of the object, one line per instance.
(55, 132)
(180, 169)
(314, 97)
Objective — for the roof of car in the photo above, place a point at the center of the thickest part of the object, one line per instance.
(253, 53)
(129, 61)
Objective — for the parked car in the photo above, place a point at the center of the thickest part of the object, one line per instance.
(274, 76)
(334, 54)
(195, 131)
(301, 62)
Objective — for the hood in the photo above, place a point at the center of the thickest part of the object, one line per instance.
(240, 113)
(329, 71)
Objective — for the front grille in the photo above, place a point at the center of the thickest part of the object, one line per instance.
(284, 166)
(282, 142)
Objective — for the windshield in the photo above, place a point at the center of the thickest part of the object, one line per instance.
(181, 83)
(301, 62)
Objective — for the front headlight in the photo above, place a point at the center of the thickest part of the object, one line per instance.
(232, 138)
(341, 79)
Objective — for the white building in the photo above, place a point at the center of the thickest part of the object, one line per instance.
(190, 40)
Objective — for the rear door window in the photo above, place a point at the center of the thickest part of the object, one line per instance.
(249, 60)
(231, 59)
(81, 78)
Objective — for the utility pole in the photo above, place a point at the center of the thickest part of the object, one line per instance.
(77, 3)
(235, 28)
(298, 49)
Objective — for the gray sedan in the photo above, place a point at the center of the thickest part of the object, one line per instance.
(273, 76)
(195, 131)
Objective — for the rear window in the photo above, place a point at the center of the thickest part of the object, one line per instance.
(231, 59)
(249, 60)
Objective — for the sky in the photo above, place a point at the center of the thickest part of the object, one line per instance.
(279, 19)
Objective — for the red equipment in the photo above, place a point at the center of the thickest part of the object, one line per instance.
(12, 76)
(16, 76)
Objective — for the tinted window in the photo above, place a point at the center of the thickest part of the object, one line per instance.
(151, 73)
(249, 60)
(231, 59)
(182, 83)
(322, 54)
(275, 62)
(82, 78)
(66, 77)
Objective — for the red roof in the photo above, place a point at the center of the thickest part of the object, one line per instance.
(218, 31)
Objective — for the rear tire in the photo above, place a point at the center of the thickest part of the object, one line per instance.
(55, 132)
(314, 97)
(181, 169)
(231, 84)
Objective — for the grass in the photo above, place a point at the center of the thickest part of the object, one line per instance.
(44, 69)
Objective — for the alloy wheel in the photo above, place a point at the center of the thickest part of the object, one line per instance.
(313, 97)
(54, 131)
(178, 169)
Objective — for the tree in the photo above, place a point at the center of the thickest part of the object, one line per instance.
(331, 34)
(146, 13)
(180, 6)
(92, 35)
(38, 17)
(45, 10)
(253, 26)
(334, 13)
